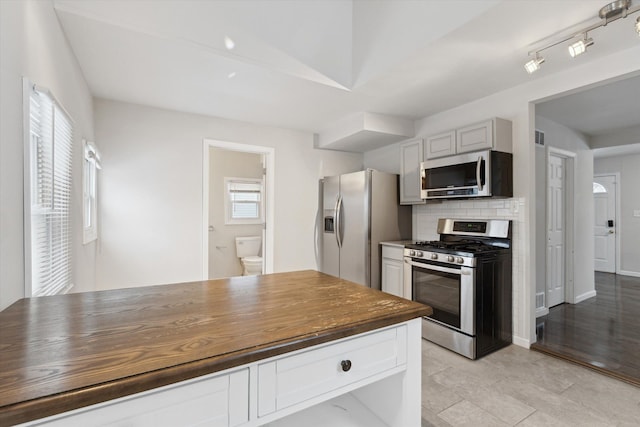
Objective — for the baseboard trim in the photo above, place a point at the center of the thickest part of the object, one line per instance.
(521, 342)
(629, 273)
(541, 311)
(585, 296)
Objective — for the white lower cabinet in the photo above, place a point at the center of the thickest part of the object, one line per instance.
(392, 270)
(367, 380)
(214, 400)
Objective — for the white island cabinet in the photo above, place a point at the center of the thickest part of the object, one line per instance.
(371, 379)
(287, 349)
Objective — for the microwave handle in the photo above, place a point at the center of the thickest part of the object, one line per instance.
(478, 177)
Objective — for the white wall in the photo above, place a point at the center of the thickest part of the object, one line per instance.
(629, 228)
(516, 104)
(152, 187)
(223, 260)
(559, 136)
(385, 159)
(33, 45)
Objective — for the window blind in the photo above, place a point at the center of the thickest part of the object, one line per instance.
(51, 137)
(244, 199)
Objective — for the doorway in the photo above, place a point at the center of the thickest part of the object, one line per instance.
(606, 221)
(228, 167)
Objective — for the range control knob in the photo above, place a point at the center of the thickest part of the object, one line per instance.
(419, 253)
(459, 260)
(450, 258)
(412, 253)
(434, 256)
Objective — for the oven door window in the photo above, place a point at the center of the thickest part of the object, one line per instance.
(440, 291)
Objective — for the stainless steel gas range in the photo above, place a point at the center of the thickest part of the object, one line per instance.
(466, 278)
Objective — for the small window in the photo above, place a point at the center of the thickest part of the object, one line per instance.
(90, 167)
(243, 201)
(598, 188)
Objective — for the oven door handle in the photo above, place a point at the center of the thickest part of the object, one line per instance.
(437, 268)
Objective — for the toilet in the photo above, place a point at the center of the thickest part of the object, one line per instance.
(247, 249)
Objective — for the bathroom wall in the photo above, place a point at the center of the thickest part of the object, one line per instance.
(223, 261)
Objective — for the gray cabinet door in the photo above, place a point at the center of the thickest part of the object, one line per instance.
(410, 158)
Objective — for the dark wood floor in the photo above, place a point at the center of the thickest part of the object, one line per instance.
(601, 333)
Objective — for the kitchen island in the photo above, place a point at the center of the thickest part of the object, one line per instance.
(243, 351)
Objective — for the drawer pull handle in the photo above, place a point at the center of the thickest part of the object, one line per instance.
(346, 365)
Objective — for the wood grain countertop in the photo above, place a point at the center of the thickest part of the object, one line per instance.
(64, 352)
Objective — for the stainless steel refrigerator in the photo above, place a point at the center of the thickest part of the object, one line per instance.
(359, 210)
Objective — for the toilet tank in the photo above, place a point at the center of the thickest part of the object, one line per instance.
(248, 246)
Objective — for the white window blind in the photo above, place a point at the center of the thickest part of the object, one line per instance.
(244, 201)
(50, 154)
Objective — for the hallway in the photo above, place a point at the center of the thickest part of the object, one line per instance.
(601, 333)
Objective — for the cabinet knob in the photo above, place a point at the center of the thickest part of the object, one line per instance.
(346, 365)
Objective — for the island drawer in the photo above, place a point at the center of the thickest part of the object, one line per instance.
(216, 401)
(290, 380)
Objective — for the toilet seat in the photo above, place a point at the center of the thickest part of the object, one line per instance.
(252, 259)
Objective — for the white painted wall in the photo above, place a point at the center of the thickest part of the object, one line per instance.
(152, 191)
(223, 260)
(516, 104)
(629, 228)
(559, 136)
(385, 159)
(33, 45)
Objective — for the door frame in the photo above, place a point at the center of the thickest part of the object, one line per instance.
(269, 161)
(616, 175)
(569, 220)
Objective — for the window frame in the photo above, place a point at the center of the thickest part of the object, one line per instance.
(90, 167)
(228, 202)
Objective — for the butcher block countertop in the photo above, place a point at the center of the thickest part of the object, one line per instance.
(64, 352)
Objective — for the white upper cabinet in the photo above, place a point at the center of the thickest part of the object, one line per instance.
(475, 137)
(493, 134)
(410, 157)
(440, 145)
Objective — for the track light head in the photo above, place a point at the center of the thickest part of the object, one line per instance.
(534, 64)
(580, 47)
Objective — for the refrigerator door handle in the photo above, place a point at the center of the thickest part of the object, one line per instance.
(338, 221)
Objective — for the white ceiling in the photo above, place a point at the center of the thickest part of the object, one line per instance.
(307, 64)
(599, 110)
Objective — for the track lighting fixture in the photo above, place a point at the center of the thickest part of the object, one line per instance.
(534, 64)
(608, 13)
(580, 47)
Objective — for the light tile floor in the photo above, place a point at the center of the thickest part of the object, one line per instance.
(518, 387)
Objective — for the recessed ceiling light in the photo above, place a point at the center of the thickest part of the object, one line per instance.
(580, 47)
(229, 43)
(534, 65)
(231, 75)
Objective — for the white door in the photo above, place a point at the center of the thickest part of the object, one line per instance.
(604, 227)
(555, 231)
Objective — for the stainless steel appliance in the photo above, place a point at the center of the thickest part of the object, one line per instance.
(479, 174)
(360, 210)
(466, 278)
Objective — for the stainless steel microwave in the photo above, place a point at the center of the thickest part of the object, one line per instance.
(479, 174)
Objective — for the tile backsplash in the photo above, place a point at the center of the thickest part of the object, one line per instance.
(425, 221)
